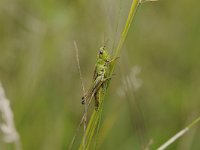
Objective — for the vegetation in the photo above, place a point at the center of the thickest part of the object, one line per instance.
(153, 96)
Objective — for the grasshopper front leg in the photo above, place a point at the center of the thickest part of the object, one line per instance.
(112, 60)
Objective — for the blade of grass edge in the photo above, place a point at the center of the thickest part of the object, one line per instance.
(93, 122)
(178, 135)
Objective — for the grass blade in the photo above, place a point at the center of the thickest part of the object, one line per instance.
(178, 135)
(95, 118)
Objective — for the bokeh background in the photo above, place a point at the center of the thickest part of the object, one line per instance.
(154, 94)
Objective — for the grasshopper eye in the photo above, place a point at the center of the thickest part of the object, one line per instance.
(100, 52)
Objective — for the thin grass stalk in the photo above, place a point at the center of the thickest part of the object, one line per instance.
(134, 5)
(178, 135)
(95, 118)
(93, 123)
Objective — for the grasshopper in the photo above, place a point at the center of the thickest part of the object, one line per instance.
(101, 75)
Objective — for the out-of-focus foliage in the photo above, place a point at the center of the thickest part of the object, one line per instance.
(38, 70)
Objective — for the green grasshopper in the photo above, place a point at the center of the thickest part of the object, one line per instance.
(101, 75)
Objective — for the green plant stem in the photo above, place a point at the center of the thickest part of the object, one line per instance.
(93, 123)
(134, 5)
(178, 135)
(95, 118)
(133, 9)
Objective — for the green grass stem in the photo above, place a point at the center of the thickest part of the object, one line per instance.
(94, 121)
(178, 135)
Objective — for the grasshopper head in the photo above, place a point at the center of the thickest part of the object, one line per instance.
(103, 53)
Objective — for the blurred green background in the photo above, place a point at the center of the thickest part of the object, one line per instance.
(39, 72)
